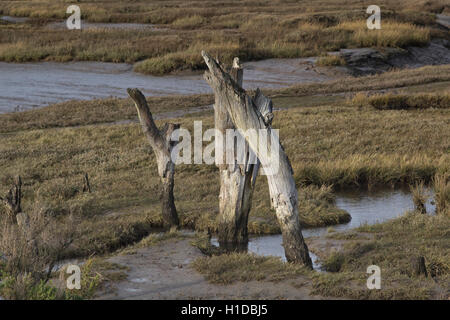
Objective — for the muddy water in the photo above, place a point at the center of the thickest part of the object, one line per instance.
(365, 208)
(28, 85)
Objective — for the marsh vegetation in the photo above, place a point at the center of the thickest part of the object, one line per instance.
(251, 30)
(343, 144)
(385, 130)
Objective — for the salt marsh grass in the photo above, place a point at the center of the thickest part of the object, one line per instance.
(252, 30)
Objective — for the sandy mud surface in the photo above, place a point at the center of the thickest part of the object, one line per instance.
(163, 271)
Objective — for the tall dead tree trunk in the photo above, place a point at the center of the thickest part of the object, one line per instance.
(160, 141)
(246, 115)
(237, 180)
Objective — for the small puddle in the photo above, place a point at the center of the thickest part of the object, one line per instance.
(369, 207)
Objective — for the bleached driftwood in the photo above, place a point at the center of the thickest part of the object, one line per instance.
(160, 141)
(244, 113)
(237, 180)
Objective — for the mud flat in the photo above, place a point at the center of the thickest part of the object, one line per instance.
(364, 61)
(164, 272)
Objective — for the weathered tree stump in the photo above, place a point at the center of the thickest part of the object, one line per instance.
(237, 181)
(162, 145)
(245, 115)
(418, 266)
(13, 204)
(13, 200)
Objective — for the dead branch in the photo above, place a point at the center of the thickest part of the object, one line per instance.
(160, 141)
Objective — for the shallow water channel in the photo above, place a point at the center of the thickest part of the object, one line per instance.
(28, 85)
(365, 207)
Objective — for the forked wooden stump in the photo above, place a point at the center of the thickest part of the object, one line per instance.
(237, 180)
(246, 114)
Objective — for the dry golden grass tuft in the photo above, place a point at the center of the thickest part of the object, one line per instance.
(29, 251)
(420, 197)
(441, 185)
(392, 34)
(330, 60)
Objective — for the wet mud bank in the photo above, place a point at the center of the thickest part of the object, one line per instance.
(365, 61)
